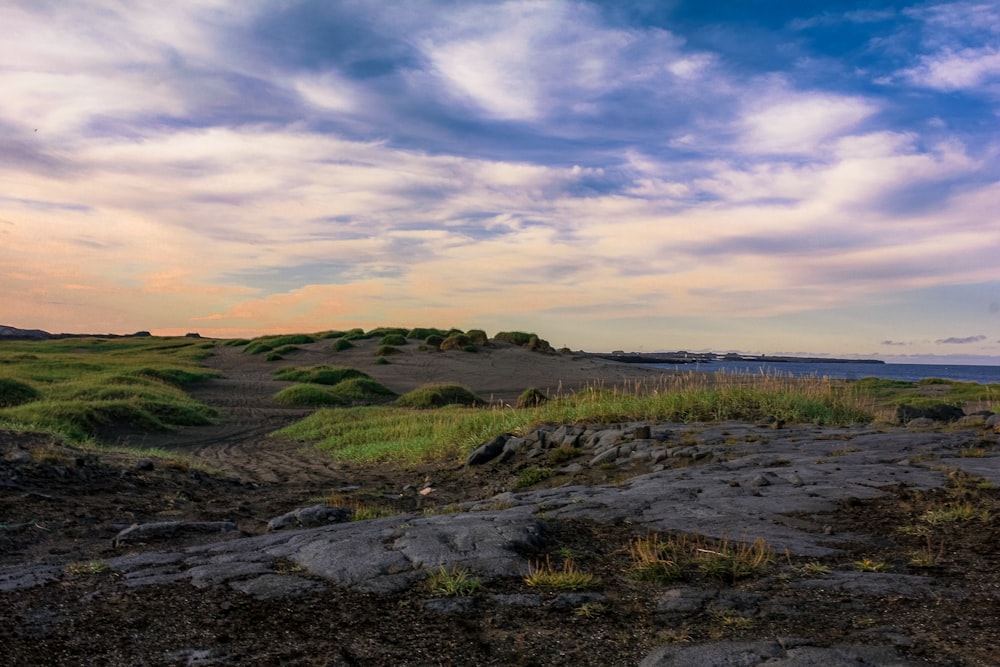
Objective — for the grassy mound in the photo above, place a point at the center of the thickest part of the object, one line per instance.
(362, 390)
(307, 395)
(13, 392)
(386, 350)
(455, 342)
(329, 375)
(341, 344)
(438, 395)
(393, 339)
(271, 343)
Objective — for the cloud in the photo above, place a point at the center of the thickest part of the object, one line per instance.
(949, 70)
(893, 343)
(961, 341)
(796, 123)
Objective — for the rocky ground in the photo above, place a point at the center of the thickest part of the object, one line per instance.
(112, 560)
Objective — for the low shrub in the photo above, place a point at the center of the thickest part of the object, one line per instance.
(341, 344)
(438, 395)
(470, 348)
(386, 350)
(434, 340)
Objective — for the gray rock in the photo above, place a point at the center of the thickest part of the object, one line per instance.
(169, 530)
(488, 451)
(684, 600)
(314, 515)
(606, 456)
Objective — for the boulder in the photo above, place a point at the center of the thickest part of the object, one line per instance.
(940, 412)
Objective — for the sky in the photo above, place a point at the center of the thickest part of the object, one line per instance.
(761, 176)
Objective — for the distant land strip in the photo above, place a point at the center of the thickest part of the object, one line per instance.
(13, 333)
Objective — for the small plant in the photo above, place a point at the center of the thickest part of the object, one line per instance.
(734, 561)
(566, 553)
(590, 610)
(364, 512)
(927, 557)
(815, 569)
(973, 453)
(648, 563)
(382, 361)
(532, 475)
(569, 578)
(869, 565)
(955, 513)
(90, 567)
(452, 581)
(563, 453)
(730, 618)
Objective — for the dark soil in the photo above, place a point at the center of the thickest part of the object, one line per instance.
(61, 505)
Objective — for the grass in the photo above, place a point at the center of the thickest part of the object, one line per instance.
(438, 395)
(663, 560)
(329, 375)
(532, 475)
(92, 567)
(82, 385)
(956, 512)
(405, 435)
(452, 581)
(870, 565)
(567, 578)
(307, 395)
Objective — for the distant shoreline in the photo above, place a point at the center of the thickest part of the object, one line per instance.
(708, 357)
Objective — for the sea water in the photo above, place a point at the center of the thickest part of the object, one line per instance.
(845, 370)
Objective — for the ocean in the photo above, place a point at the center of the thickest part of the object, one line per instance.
(847, 371)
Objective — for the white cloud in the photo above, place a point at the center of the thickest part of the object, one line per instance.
(956, 70)
(797, 123)
(529, 60)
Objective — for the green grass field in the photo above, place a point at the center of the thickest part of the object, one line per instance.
(79, 385)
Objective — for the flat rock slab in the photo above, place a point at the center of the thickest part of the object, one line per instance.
(757, 483)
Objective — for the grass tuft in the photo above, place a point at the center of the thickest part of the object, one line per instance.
(567, 578)
(452, 581)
